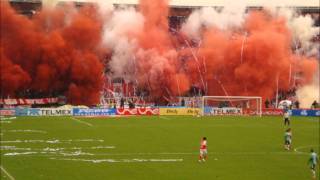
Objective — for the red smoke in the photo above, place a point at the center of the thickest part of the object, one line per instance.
(266, 56)
(59, 51)
(158, 61)
(55, 52)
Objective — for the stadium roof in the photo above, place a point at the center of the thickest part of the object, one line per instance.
(201, 3)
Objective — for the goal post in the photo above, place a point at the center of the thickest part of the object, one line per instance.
(231, 105)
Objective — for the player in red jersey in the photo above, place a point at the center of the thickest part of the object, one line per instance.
(203, 150)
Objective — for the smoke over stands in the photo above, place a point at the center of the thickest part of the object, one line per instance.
(65, 50)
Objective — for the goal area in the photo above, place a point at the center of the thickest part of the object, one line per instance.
(231, 105)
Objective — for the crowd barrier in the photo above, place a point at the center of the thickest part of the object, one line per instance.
(7, 112)
(272, 112)
(147, 111)
(93, 112)
(179, 111)
(138, 111)
(305, 112)
(42, 112)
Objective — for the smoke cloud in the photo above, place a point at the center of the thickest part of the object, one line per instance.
(309, 93)
(53, 53)
(226, 51)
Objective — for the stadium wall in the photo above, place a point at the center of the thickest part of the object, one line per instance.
(138, 112)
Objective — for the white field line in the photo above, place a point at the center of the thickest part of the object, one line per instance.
(304, 147)
(82, 122)
(52, 141)
(14, 148)
(7, 118)
(162, 117)
(119, 160)
(6, 172)
(196, 153)
(77, 153)
(5, 122)
(26, 130)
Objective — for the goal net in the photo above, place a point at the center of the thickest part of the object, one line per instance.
(231, 105)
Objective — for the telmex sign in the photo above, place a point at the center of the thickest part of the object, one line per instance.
(55, 112)
(42, 112)
(225, 111)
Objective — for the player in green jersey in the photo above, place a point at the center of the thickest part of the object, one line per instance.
(313, 160)
(287, 139)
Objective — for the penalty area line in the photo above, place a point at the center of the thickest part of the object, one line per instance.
(82, 122)
(297, 149)
(166, 118)
(6, 172)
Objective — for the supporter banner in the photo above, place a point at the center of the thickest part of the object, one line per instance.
(28, 101)
(42, 112)
(7, 112)
(222, 111)
(93, 112)
(179, 111)
(305, 112)
(138, 111)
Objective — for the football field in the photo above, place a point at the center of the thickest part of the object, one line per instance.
(155, 148)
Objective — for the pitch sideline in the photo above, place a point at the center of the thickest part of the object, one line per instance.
(82, 122)
(6, 172)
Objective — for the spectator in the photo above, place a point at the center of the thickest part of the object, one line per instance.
(114, 104)
(266, 103)
(314, 104)
(297, 104)
(122, 103)
(183, 103)
(131, 104)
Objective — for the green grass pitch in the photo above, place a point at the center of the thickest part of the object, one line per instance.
(155, 148)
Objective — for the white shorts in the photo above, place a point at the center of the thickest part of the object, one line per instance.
(203, 152)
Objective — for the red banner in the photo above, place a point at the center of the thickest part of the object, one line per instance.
(265, 112)
(272, 112)
(138, 111)
(28, 101)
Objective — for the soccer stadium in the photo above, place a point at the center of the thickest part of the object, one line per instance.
(159, 89)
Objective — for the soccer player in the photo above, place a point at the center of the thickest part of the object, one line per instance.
(203, 150)
(286, 117)
(287, 139)
(313, 163)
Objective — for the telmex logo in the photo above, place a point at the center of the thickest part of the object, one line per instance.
(55, 111)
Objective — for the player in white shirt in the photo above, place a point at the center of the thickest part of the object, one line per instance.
(286, 117)
(203, 150)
